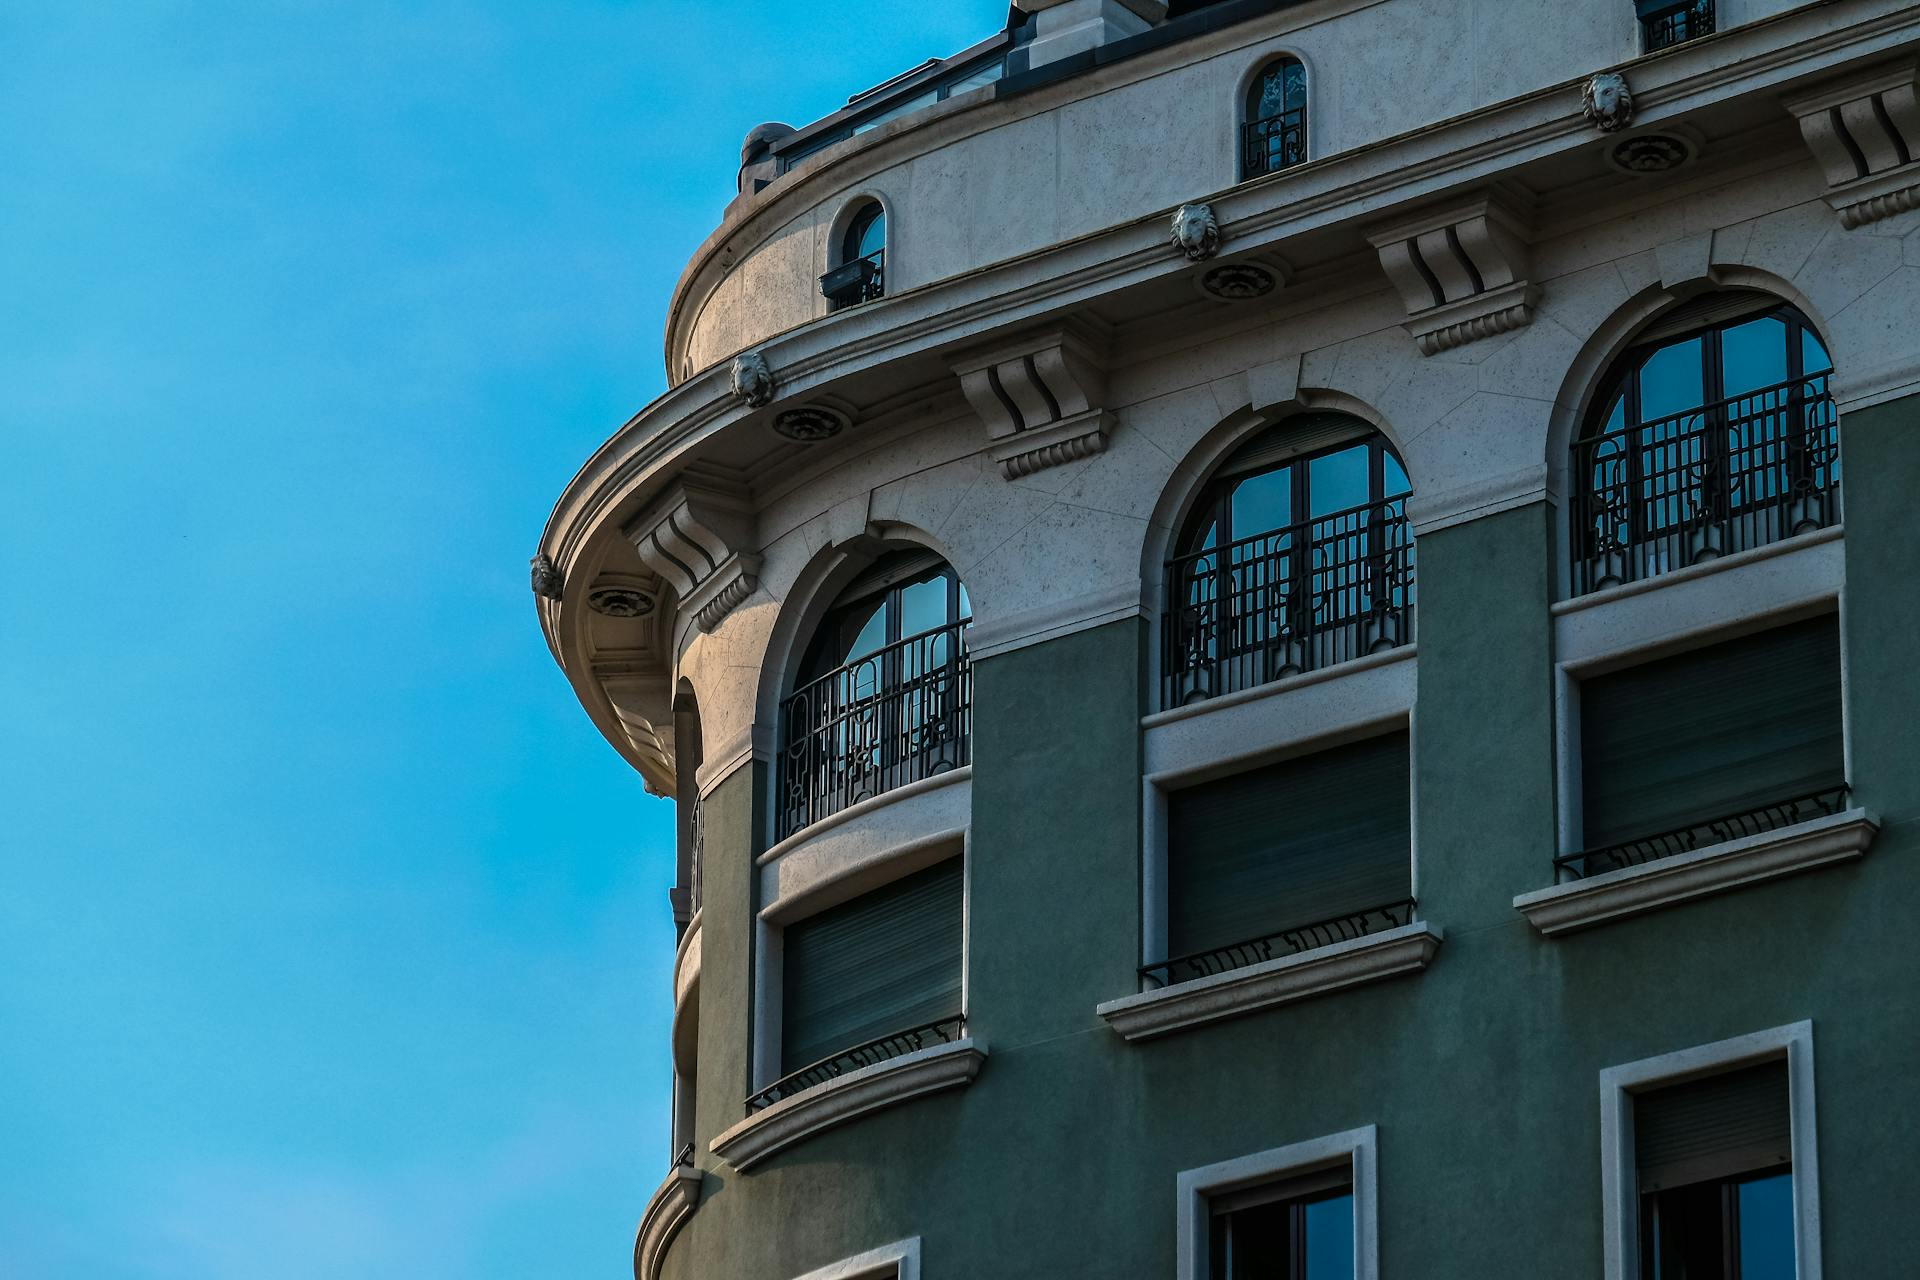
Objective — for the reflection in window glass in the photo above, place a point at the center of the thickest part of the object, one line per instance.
(1329, 1245)
(1766, 1228)
(923, 606)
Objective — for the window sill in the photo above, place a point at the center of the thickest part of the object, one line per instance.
(665, 1214)
(1195, 1003)
(1715, 869)
(848, 1097)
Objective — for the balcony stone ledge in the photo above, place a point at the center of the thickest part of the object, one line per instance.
(1407, 949)
(665, 1214)
(1563, 908)
(857, 1093)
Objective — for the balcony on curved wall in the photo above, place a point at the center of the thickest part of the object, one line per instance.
(665, 1214)
(1288, 601)
(894, 717)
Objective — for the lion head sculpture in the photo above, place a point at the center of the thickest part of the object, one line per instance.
(752, 379)
(1607, 101)
(1196, 232)
(547, 579)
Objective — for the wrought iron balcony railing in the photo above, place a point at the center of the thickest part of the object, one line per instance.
(1274, 946)
(855, 282)
(1291, 600)
(895, 716)
(1273, 143)
(1746, 471)
(945, 1031)
(1667, 844)
(1676, 23)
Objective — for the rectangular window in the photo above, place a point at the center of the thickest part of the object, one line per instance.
(884, 964)
(1711, 744)
(1714, 1159)
(1303, 1212)
(1284, 858)
(1708, 1162)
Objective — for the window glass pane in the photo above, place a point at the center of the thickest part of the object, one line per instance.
(874, 237)
(1813, 356)
(869, 631)
(1329, 1228)
(1338, 481)
(1670, 381)
(966, 604)
(1393, 476)
(1262, 503)
(1754, 355)
(1283, 87)
(1766, 1228)
(923, 606)
(1252, 1244)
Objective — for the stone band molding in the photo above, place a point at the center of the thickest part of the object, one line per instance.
(1461, 270)
(1865, 132)
(1407, 949)
(1563, 908)
(665, 1214)
(695, 537)
(1042, 396)
(911, 1075)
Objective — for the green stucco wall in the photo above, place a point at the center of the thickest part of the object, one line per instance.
(1481, 1073)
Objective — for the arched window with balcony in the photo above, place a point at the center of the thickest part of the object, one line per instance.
(859, 272)
(1715, 433)
(1273, 129)
(884, 695)
(1297, 555)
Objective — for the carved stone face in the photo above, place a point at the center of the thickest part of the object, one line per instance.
(753, 379)
(1608, 101)
(1196, 231)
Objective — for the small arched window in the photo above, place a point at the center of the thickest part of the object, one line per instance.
(1297, 556)
(1273, 134)
(884, 692)
(1715, 433)
(1664, 23)
(860, 275)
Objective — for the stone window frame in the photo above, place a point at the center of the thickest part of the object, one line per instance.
(1691, 608)
(1620, 1204)
(1193, 1186)
(897, 1261)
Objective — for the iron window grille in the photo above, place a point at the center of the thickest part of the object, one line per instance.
(1280, 944)
(894, 716)
(1701, 835)
(860, 280)
(1739, 472)
(1664, 24)
(1287, 601)
(874, 1052)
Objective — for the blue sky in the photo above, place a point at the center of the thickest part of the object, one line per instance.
(333, 940)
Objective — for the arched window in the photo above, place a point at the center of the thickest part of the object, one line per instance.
(1664, 23)
(1297, 556)
(884, 694)
(1715, 433)
(1273, 135)
(861, 272)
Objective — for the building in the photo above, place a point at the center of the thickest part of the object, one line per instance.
(1266, 659)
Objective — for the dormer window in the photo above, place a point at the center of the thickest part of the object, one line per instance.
(861, 275)
(1273, 135)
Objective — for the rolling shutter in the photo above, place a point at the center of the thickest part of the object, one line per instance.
(1717, 1127)
(1711, 733)
(887, 961)
(1290, 844)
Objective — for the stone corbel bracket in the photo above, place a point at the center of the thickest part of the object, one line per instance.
(641, 696)
(1461, 270)
(696, 538)
(1865, 132)
(1041, 396)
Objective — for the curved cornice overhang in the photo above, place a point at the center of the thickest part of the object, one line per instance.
(665, 1214)
(1327, 202)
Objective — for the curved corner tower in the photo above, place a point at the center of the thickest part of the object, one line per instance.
(1248, 605)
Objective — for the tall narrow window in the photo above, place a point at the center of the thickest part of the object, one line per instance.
(1669, 22)
(885, 692)
(1710, 745)
(861, 275)
(1297, 556)
(1287, 858)
(1274, 134)
(1716, 434)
